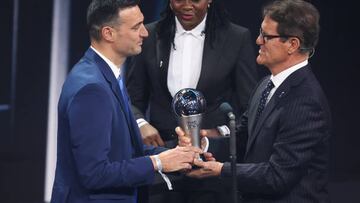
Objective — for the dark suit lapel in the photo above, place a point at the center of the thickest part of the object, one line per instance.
(284, 89)
(254, 103)
(162, 59)
(211, 59)
(279, 93)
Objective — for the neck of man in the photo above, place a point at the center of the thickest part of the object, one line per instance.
(290, 62)
(107, 51)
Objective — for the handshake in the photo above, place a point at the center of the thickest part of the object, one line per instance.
(185, 156)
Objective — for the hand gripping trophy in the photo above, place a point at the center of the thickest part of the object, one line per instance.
(189, 105)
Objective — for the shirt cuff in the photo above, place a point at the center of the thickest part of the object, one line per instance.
(141, 122)
(224, 130)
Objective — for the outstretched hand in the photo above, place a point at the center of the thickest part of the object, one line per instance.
(179, 158)
(207, 169)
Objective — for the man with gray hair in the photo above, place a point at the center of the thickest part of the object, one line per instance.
(288, 121)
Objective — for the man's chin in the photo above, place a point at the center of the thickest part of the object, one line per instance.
(259, 60)
(135, 52)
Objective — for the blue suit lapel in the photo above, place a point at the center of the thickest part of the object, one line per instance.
(113, 82)
(107, 73)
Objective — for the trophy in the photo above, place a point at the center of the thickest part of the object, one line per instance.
(189, 105)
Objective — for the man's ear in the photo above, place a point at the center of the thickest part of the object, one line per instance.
(107, 33)
(294, 44)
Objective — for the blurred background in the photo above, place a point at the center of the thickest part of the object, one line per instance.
(40, 40)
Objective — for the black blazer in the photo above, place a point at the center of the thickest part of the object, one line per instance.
(228, 74)
(287, 151)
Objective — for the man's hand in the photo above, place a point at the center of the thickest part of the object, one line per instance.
(151, 136)
(208, 156)
(186, 141)
(179, 158)
(183, 140)
(207, 169)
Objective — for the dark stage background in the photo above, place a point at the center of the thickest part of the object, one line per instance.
(25, 46)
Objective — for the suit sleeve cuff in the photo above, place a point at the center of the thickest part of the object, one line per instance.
(226, 170)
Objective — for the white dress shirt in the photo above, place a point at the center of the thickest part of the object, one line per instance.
(186, 57)
(279, 78)
(114, 68)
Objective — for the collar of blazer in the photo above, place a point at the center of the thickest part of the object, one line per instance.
(163, 47)
(283, 90)
(107, 73)
(210, 62)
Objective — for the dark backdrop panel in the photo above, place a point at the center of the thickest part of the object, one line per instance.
(6, 12)
(22, 160)
(79, 38)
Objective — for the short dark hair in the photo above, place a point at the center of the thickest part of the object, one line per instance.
(105, 12)
(216, 17)
(296, 18)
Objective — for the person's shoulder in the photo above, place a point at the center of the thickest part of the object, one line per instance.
(237, 28)
(84, 66)
(84, 71)
(152, 26)
(235, 32)
(152, 30)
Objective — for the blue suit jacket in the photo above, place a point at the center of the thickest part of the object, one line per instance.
(287, 151)
(100, 155)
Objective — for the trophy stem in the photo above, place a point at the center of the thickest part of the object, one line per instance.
(192, 125)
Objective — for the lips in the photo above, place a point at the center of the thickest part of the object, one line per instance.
(187, 17)
(261, 51)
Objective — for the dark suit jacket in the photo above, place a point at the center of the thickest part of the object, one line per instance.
(287, 151)
(228, 74)
(100, 155)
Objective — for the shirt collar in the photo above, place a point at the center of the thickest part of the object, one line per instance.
(280, 77)
(197, 31)
(113, 67)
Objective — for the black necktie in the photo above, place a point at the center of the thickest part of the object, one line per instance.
(264, 96)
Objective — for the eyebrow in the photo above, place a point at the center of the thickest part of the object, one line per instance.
(266, 33)
(137, 24)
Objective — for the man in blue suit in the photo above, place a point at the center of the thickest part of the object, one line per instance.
(288, 122)
(101, 157)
